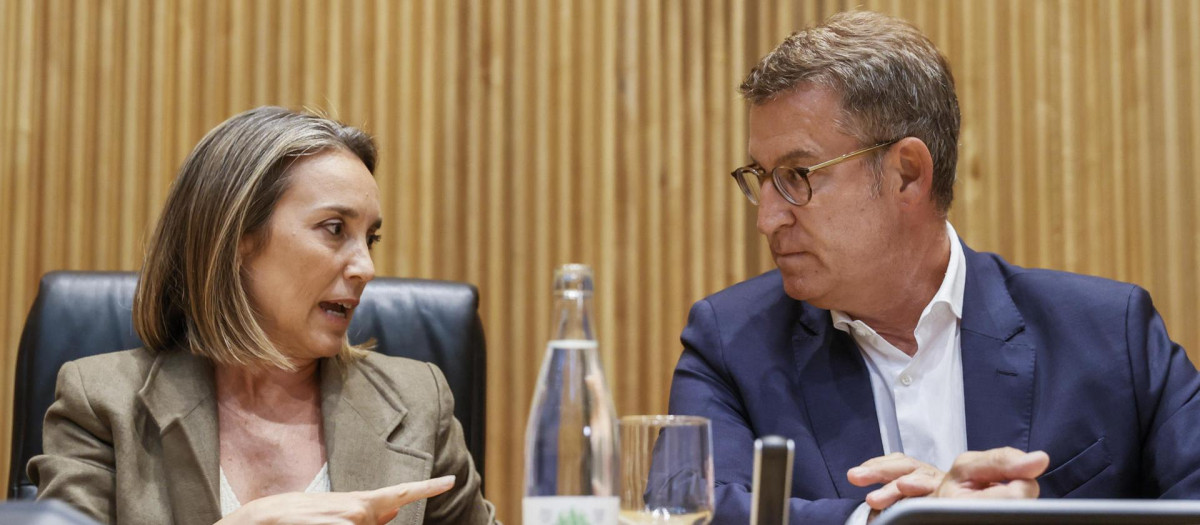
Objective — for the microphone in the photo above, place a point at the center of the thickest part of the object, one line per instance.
(772, 480)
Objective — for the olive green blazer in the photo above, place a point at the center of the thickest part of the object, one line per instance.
(132, 437)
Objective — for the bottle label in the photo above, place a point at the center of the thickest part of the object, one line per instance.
(573, 344)
(571, 510)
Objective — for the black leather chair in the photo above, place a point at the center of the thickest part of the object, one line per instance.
(77, 314)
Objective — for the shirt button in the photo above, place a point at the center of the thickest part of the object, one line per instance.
(905, 379)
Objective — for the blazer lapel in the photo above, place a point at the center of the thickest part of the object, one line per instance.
(364, 431)
(837, 397)
(179, 395)
(998, 363)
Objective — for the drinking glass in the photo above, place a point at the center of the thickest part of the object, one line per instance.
(666, 470)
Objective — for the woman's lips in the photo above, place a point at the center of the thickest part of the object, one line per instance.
(338, 311)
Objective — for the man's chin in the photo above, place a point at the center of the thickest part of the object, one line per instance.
(803, 290)
(796, 291)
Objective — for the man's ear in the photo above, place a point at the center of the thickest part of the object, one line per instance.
(911, 159)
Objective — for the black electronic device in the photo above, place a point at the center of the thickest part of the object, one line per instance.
(772, 480)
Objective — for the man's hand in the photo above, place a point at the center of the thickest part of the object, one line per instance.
(996, 473)
(901, 476)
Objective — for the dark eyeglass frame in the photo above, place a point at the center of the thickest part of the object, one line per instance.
(782, 175)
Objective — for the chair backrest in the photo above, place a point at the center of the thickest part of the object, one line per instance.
(46, 512)
(77, 314)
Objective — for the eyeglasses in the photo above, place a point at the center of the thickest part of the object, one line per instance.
(792, 183)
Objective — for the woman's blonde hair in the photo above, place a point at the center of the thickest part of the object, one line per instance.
(190, 293)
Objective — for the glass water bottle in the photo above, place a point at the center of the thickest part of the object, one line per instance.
(571, 442)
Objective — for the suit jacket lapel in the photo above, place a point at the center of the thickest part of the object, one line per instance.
(179, 395)
(364, 432)
(837, 397)
(997, 360)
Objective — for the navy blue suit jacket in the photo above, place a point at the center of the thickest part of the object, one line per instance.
(1077, 366)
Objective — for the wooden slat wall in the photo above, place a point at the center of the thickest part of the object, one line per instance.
(518, 135)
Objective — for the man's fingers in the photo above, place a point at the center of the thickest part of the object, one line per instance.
(999, 465)
(918, 484)
(883, 469)
(1030, 466)
(388, 499)
(887, 457)
(883, 497)
(1019, 489)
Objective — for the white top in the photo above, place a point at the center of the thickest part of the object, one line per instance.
(919, 400)
(230, 503)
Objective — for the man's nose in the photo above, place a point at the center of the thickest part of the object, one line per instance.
(774, 211)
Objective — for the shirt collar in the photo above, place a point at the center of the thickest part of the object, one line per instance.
(954, 284)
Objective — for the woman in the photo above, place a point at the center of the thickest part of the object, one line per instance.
(247, 404)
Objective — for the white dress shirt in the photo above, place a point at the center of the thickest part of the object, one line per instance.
(919, 400)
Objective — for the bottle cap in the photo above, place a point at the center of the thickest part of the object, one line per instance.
(573, 280)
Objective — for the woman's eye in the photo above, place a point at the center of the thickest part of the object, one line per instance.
(334, 228)
(372, 239)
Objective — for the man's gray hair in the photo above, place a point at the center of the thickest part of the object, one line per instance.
(892, 81)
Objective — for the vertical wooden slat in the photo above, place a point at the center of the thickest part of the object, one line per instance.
(403, 245)
(691, 190)
(718, 94)
(239, 60)
(1067, 92)
(1042, 123)
(383, 116)
(132, 130)
(430, 84)
(989, 99)
(536, 236)
(448, 149)
(20, 60)
(561, 204)
(1118, 199)
(160, 164)
(608, 209)
(189, 123)
(1008, 218)
(53, 135)
(1092, 184)
(1172, 252)
(631, 178)
(290, 83)
(504, 430)
(585, 152)
(970, 211)
(520, 342)
(265, 54)
(476, 65)
(1193, 52)
(740, 224)
(102, 223)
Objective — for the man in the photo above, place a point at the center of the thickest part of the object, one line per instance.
(884, 346)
